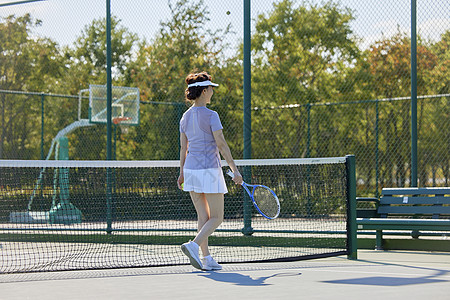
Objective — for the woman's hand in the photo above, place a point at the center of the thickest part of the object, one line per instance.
(238, 178)
(180, 181)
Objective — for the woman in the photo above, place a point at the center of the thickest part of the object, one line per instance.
(201, 174)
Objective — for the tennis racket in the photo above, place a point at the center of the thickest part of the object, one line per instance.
(264, 199)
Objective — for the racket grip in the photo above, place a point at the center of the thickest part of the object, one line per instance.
(229, 173)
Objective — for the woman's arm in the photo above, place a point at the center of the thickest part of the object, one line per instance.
(226, 153)
(183, 153)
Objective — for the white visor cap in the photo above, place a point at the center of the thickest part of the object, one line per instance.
(202, 83)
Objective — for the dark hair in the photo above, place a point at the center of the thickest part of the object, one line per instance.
(194, 92)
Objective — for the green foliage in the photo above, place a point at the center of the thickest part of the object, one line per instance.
(300, 54)
(87, 57)
(390, 66)
(440, 77)
(26, 63)
(183, 45)
(300, 51)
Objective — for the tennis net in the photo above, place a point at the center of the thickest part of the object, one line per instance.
(68, 215)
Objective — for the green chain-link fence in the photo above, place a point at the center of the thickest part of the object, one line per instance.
(328, 79)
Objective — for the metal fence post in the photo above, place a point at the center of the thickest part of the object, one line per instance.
(247, 230)
(413, 93)
(42, 126)
(308, 132)
(109, 173)
(377, 148)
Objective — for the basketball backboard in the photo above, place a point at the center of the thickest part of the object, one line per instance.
(125, 104)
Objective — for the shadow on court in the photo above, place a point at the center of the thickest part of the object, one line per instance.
(244, 280)
(387, 281)
(400, 280)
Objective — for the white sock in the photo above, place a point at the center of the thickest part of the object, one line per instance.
(208, 257)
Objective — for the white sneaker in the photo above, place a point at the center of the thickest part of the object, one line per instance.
(209, 264)
(191, 251)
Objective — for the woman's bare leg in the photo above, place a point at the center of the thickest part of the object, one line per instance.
(210, 209)
(202, 208)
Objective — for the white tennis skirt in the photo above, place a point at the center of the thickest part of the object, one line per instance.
(205, 181)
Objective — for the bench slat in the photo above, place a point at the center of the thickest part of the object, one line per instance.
(414, 200)
(403, 224)
(426, 227)
(416, 191)
(411, 210)
(431, 222)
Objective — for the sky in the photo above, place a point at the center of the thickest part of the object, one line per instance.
(63, 20)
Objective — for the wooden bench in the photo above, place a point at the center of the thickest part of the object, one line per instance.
(412, 209)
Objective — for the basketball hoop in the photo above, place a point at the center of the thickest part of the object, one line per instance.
(119, 120)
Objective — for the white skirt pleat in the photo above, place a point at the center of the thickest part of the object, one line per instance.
(205, 181)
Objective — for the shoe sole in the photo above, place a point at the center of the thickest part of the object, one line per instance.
(207, 268)
(211, 269)
(192, 259)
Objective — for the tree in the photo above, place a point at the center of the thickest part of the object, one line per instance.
(86, 64)
(86, 59)
(299, 55)
(26, 64)
(440, 78)
(183, 45)
(300, 50)
(390, 77)
(434, 116)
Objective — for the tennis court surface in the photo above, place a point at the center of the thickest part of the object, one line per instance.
(375, 275)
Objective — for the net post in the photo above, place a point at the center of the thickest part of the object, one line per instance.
(351, 207)
(247, 230)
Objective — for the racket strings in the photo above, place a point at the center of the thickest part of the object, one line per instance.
(266, 201)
